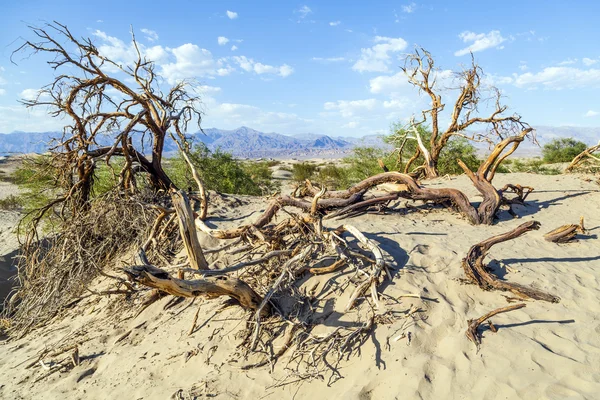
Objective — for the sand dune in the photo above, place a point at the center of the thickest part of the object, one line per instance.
(543, 351)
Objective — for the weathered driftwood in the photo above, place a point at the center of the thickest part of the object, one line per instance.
(565, 233)
(477, 272)
(157, 278)
(587, 153)
(475, 336)
(187, 228)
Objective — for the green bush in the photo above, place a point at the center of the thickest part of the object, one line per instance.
(221, 172)
(333, 177)
(456, 148)
(303, 171)
(363, 163)
(562, 150)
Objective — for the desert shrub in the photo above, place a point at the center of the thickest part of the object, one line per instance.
(363, 163)
(562, 150)
(10, 203)
(219, 171)
(534, 166)
(261, 174)
(456, 148)
(303, 171)
(333, 177)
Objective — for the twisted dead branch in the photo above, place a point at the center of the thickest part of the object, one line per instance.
(475, 336)
(477, 271)
(586, 155)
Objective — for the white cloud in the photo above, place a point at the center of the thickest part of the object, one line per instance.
(303, 11)
(409, 8)
(193, 61)
(398, 103)
(591, 113)
(377, 58)
(249, 65)
(328, 59)
(234, 48)
(388, 83)
(351, 125)
(2, 92)
(335, 23)
(32, 94)
(558, 78)
(480, 41)
(205, 89)
(222, 40)
(350, 108)
(523, 67)
(588, 61)
(99, 21)
(568, 61)
(150, 35)
(231, 14)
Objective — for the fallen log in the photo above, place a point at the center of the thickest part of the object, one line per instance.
(565, 233)
(472, 333)
(477, 271)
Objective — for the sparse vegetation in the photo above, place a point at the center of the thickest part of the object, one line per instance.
(533, 166)
(221, 172)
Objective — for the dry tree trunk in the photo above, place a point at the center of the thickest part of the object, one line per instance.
(185, 218)
(565, 233)
(151, 276)
(477, 272)
(472, 333)
(587, 153)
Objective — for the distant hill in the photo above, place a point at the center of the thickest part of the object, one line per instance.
(248, 142)
(241, 142)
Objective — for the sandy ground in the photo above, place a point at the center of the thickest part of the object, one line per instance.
(543, 351)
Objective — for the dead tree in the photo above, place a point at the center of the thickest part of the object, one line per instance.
(477, 272)
(411, 189)
(420, 70)
(587, 154)
(102, 98)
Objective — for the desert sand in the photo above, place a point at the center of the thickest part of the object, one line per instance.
(542, 351)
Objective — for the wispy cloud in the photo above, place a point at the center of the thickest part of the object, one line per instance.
(222, 40)
(558, 78)
(591, 113)
(249, 65)
(303, 11)
(149, 34)
(335, 23)
(409, 8)
(479, 41)
(231, 14)
(234, 48)
(328, 59)
(588, 61)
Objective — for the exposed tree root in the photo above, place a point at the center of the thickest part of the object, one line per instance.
(472, 333)
(477, 272)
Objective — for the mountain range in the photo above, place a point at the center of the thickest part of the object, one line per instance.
(247, 142)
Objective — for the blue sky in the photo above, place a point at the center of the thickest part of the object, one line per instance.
(325, 67)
